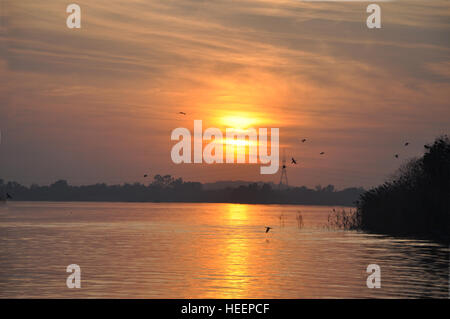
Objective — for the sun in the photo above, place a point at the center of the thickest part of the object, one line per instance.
(239, 121)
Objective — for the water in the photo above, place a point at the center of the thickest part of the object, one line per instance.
(178, 250)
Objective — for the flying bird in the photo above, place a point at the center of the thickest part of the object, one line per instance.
(293, 161)
(304, 140)
(182, 113)
(321, 153)
(407, 143)
(8, 196)
(396, 155)
(268, 228)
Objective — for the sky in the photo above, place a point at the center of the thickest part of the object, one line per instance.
(99, 103)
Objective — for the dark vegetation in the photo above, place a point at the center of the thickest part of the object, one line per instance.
(416, 201)
(168, 189)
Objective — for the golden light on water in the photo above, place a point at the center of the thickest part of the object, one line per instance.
(235, 265)
(237, 214)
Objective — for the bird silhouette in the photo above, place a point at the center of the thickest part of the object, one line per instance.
(407, 143)
(182, 113)
(293, 161)
(321, 153)
(145, 175)
(268, 228)
(396, 155)
(8, 196)
(304, 140)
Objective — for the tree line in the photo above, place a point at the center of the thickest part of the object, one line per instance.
(166, 188)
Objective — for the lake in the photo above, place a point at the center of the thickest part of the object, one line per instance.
(180, 250)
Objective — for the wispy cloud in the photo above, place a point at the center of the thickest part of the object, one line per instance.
(312, 68)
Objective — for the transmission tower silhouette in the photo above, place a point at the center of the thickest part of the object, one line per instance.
(283, 173)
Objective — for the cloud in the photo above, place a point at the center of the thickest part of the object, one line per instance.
(312, 68)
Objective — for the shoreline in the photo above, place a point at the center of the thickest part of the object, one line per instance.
(183, 202)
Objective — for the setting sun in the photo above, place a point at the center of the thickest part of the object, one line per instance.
(244, 121)
(240, 122)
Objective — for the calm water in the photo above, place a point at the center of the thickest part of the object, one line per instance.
(148, 250)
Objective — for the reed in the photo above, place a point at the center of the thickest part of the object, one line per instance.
(344, 219)
(299, 218)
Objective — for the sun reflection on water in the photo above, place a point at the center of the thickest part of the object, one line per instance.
(236, 248)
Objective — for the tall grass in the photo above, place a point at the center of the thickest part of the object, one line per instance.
(343, 219)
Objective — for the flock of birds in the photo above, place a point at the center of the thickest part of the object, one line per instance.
(293, 161)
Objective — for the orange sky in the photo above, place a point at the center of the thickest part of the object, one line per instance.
(98, 104)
